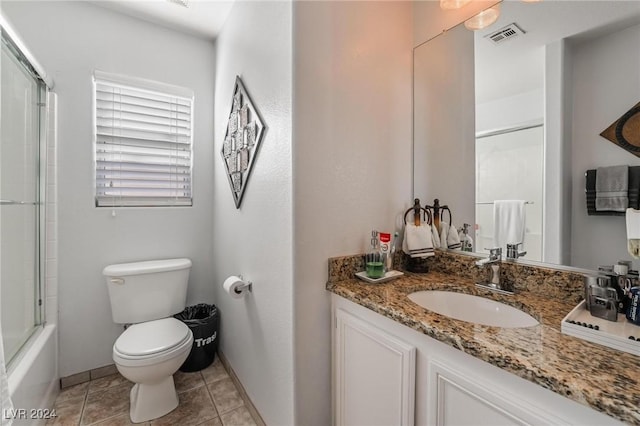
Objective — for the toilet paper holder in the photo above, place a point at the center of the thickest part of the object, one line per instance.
(246, 285)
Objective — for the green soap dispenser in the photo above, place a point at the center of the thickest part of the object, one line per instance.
(374, 260)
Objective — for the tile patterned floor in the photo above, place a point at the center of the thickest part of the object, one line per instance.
(207, 398)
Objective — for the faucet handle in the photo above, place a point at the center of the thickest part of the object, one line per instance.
(494, 253)
(513, 253)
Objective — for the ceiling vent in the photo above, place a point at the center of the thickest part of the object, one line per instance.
(505, 33)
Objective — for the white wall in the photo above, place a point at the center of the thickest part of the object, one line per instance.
(352, 160)
(51, 214)
(556, 238)
(606, 84)
(522, 109)
(256, 240)
(71, 40)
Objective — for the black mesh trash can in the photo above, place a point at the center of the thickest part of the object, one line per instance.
(203, 321)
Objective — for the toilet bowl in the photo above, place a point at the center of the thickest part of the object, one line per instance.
(148, 354)
(154, 346)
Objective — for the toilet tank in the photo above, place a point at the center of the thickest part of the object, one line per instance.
(146, 291)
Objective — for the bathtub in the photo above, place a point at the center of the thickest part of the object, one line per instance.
(33, 377)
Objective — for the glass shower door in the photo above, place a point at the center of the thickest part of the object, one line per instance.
(20, 125)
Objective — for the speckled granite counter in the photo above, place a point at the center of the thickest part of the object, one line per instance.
(602, 378)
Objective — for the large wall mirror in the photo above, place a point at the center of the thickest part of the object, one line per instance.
(515, 112)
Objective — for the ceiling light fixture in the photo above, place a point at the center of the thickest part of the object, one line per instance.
(453, 4)
(483, 19)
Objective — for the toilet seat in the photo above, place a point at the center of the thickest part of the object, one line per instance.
(152, 342)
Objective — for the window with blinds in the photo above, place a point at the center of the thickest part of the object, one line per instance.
(143, 143)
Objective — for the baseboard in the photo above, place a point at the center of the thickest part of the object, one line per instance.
(243, 394)
(85, 376)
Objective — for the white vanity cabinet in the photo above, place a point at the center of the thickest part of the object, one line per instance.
(456, 399)
(374, 374)
(385, 373)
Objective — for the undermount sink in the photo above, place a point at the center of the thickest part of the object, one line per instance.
(474, 309)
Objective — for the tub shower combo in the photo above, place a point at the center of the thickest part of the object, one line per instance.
(27, 231)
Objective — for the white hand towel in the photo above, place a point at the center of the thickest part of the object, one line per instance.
(633, 232)
(417, 241)
(435, 237)
(508, 222)
(453, 239)
(444, 230)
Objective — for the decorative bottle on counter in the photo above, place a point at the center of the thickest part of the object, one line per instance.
(374, 261)
(465, 239)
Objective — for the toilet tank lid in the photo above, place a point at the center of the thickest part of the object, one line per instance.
(147, 267)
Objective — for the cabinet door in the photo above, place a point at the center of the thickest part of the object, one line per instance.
(457, 399)
(374, 375)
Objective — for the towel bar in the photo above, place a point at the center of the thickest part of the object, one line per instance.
(491, 202)
(417, 209)
(432, 214)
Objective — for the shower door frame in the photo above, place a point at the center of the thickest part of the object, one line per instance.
(40, 192)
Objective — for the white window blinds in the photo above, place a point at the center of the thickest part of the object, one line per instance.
(143, 143)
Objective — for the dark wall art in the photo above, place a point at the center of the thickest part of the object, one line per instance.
(625, 131)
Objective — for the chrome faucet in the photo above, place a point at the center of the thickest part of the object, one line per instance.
(494, 259)
(495, 255)
(513, 253)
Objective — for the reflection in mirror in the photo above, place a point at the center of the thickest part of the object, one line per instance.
(514, 112)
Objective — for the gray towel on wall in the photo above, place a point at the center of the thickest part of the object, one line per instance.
(612, 185)
(634, 192)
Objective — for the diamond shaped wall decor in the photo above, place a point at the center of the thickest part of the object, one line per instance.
(625, 131)
(245, 131)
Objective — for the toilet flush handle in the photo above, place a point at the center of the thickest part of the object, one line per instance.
(118, 281)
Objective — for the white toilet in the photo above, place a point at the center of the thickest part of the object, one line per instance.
(148, 352)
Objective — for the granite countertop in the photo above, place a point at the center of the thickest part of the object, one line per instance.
(602, 378)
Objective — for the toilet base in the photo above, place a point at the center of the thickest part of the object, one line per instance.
(152, 400)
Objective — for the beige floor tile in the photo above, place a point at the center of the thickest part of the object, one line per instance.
(187, 381)
(106, 404)
(207, 398)
(214, 372)
(107, 382)
(213, 422)
(73, 392)
(195, 407)
(238, 417)
(225, 395)
(68, 412)
(121, 420)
